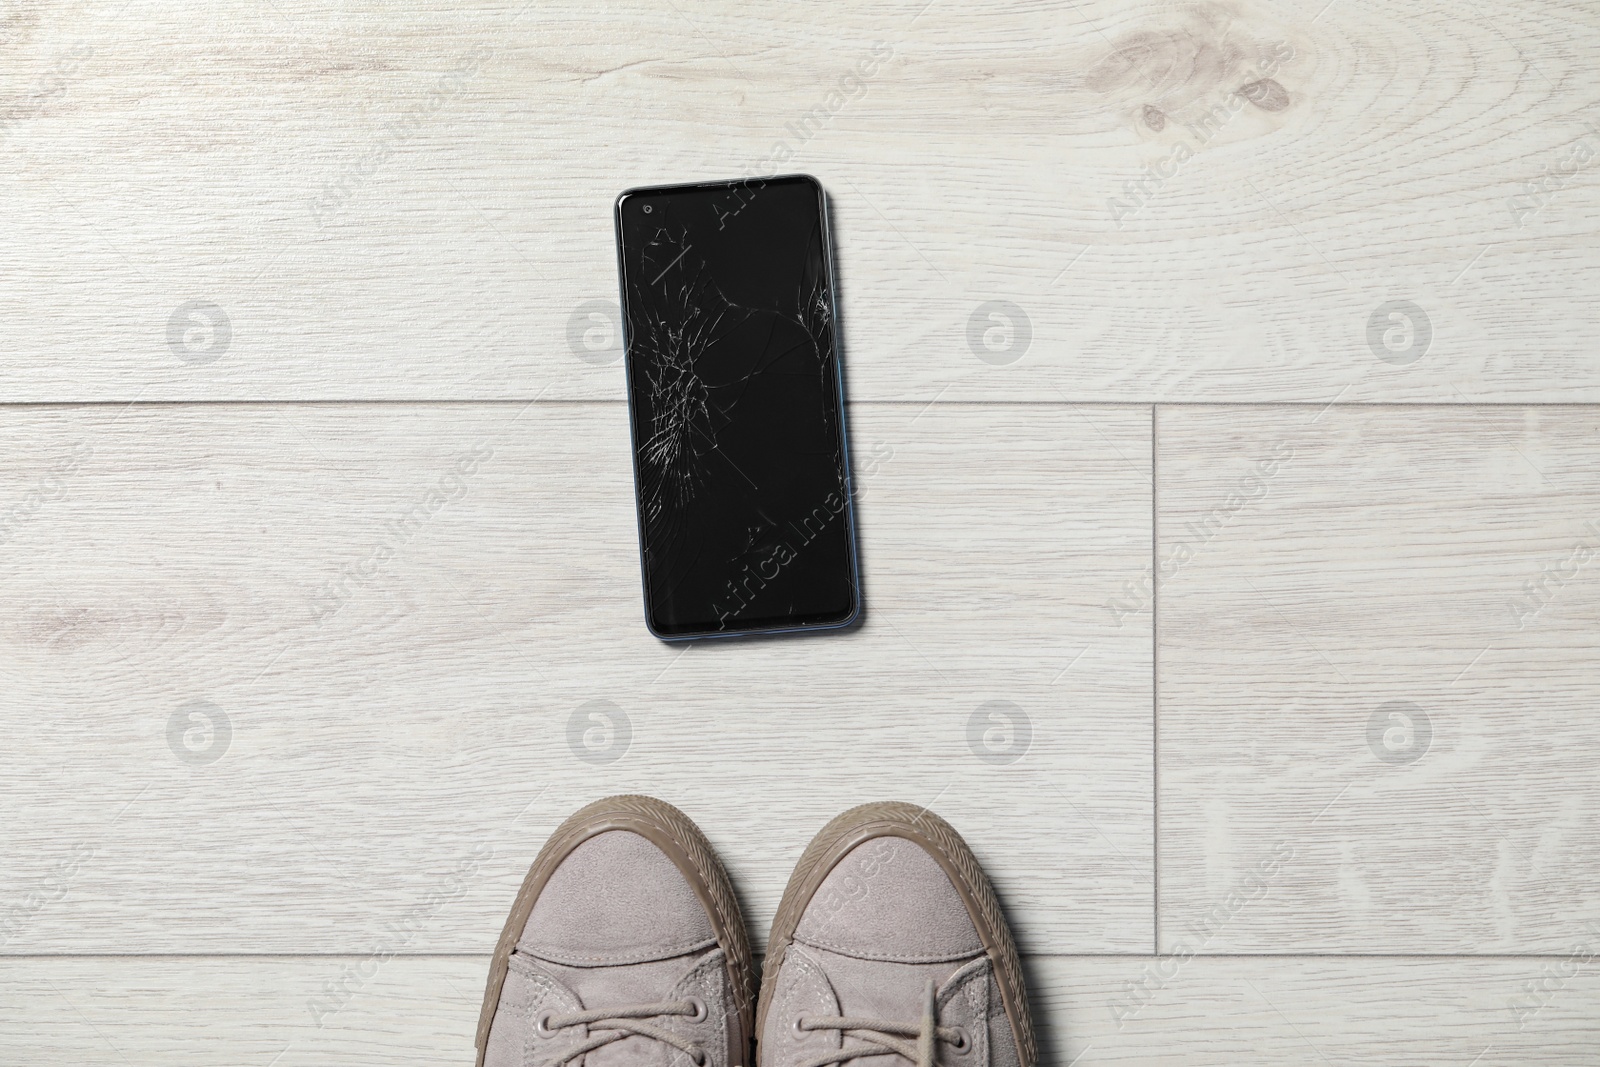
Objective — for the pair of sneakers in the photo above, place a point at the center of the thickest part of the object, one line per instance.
(625, 947)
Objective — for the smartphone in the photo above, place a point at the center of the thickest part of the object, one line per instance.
(736, 402)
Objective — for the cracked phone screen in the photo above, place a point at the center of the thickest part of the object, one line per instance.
(736, 407)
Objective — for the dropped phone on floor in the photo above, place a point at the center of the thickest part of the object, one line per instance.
(736, 401)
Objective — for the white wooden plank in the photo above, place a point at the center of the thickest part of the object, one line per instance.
(399, 759)
(1226, 1012)
(1377, 685)
(250, 1011)
(1231, 1012)
(411, 200)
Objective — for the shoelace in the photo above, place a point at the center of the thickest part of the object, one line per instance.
(886, 1038)
(615, 1024)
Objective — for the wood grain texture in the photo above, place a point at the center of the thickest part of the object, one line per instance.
(1183, 202)
(408, 696)
(1377, 684)
(1222, 1012)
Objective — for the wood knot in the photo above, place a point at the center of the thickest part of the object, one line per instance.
(1266, 94)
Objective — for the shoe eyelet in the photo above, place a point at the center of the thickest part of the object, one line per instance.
(698, 1055)
(700, 1011)
(541, 1024)
(963, 1041)
(800, 1031)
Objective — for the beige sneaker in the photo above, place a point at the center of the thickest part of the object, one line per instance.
(624, 948)
(890, 942)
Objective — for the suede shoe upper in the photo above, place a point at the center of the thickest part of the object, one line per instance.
(616, 899)
(885, 961)
(620, 962)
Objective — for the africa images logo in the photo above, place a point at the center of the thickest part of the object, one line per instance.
(743, 588)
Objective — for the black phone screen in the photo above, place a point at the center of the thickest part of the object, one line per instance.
(736, 404)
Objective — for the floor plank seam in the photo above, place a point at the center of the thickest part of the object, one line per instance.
(1155, 683)
(467, 957)
(1397, 405)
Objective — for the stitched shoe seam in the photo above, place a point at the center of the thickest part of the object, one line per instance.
(885, 957)
(646, 956)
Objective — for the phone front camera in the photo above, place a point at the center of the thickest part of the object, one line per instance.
(647, 209)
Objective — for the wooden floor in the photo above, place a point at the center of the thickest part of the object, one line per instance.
(1225, 397)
